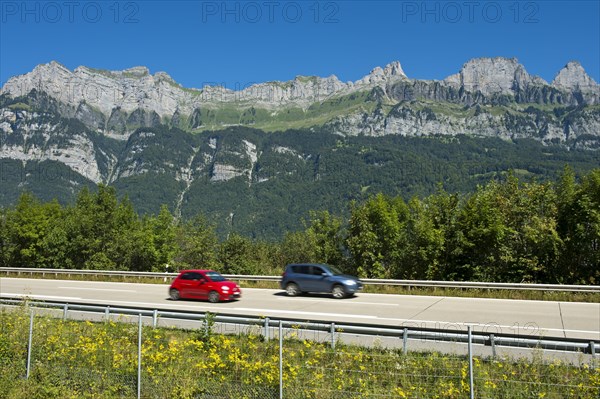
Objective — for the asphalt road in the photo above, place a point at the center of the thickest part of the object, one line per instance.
(551, 319)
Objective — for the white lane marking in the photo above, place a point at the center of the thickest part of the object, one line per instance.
(200, 307)
(95, 289)
(355, 316)
(39, 296)
(328, 300)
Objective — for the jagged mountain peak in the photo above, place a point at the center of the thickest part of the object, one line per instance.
(573, 76)
(391, 72)
(394, 68)
(491, 75)
(52, 66)
(161, 75)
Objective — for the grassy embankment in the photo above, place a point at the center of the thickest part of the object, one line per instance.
(74, 359)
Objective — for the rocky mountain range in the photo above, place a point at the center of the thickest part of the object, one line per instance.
(116, 102)
(134, 129)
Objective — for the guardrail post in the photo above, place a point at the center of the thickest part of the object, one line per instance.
(139, 370)
(404, 340)
(280, 359)
(107, 313)
(154, 318)
(593, 353)
(266, 334)
(29, 345)
(470, 349)
(65, 310)
(332, 330)
(493, 344)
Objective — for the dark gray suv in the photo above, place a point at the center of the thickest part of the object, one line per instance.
(310, 277)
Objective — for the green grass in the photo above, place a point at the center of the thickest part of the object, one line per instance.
(443, 108)
(104, 72)
(74, 359)
(20, 106)
(318, 114)
(306, 79)
(285, 118)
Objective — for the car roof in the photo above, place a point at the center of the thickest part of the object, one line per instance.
(203, 271)
(308, 264)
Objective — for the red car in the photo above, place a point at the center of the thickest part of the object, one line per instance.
(203, 284)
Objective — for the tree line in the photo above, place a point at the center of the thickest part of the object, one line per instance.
(504, 231)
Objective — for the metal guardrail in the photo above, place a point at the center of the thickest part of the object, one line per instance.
(404, 333)
(402, 283)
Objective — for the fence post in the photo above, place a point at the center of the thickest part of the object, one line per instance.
(332, 330)
(280, 359)
(29, 345)
(139, 371)
(404, 340)
(493, 344)
(267, 328)
(470, 349)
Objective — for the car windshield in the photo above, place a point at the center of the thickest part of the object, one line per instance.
(335, 271)
(214, 276)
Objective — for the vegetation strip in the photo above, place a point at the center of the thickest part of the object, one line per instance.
(73, 359)
(505, 231)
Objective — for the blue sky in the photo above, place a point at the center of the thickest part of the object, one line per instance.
(237, 43)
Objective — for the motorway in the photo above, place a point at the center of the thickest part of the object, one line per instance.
(546, 318)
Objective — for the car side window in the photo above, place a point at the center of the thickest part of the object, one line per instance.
(301, 269)
(316, 271)
(196, 276)
(191, 276)
(206, 277)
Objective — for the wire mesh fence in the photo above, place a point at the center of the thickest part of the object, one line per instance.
(42, 356)
(541, 376)
(353, 372)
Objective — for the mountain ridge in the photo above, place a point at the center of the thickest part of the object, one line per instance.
(136, 88)
(276, 147)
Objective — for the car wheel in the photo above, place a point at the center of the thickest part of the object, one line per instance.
(174, 294)
(213, 297)
(292, 289)
(338, 292)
